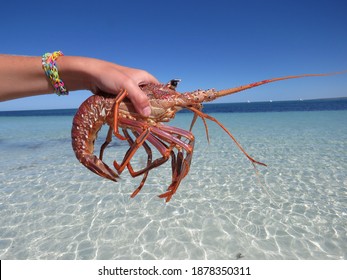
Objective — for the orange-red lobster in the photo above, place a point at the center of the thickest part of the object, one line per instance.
(171, 142)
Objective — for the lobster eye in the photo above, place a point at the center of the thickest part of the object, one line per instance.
(173, 83)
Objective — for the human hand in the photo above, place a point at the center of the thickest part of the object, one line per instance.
(112, 78)
(101, 76)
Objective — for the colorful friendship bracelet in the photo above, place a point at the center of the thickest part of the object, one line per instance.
(50, 67)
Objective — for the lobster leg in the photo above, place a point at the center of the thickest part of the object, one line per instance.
(149, 160)
(180, 165)
(204, 121)
(158, 143)
(195, 117)
(203, 115)
(145, 146)
(120, 97)
(183, 167)
(156, 137)
(161, 147)
(107, 141)
(167, 134)
(138, 189)
(132, 150)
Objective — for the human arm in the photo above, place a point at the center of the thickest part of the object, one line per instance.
(23, 76)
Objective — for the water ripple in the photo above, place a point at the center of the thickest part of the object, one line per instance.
(53, 208)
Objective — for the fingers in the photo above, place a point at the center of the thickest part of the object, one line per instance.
(138, 98)
(112, 78)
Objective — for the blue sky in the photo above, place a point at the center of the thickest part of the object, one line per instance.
(207, 44)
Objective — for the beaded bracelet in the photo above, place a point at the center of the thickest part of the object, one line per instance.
(50, 67)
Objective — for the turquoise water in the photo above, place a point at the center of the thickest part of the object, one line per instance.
(51, 207)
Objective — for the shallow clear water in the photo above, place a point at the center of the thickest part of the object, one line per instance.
(51, 207)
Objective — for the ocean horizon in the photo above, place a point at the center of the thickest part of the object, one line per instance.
(336, 103)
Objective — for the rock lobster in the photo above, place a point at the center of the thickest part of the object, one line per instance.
(171, 142)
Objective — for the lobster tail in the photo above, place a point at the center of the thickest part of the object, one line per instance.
(97, 166)
(87, 122)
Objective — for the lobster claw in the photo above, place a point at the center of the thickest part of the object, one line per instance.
(96, 165)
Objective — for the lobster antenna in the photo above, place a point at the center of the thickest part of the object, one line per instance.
(252, 85)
